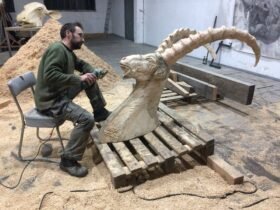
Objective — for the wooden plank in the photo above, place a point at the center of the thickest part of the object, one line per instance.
(186, 86)
(176, 88)
(173, 75)
(202, 88)
(118, 174)
(189, 161)
(229, 173)
(204, 136)
(179, 132)
(144, 152)
(177, 146)
(229, 87)
(158, 146)
(164, 95)
(172, 98)
(167, 91)
(127, 157)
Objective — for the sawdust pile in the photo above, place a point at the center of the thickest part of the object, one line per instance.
(29, 55)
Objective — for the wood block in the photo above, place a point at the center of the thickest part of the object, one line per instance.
(229, 173)
(144, 152)
(127, 157)
(176, 88)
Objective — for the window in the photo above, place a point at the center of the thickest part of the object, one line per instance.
(9, 5)
(70, 4)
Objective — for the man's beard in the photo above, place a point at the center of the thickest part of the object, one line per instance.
(76, 45)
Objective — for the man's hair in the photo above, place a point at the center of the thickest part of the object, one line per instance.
(69, 27)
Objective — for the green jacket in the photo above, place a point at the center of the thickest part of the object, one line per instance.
(56, 75)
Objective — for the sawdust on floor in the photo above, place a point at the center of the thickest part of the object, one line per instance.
(198, 188)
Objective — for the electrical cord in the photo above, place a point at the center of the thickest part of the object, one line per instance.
(29, 161)
(50, 192)
(197, 195)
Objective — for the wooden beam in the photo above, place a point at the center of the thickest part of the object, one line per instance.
(176, 88)
(173, 75)
(229, 173)
(186, 86)
(202, 88)
(234, 89)
(143, 152)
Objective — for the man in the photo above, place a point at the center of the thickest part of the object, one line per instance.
(57, 85)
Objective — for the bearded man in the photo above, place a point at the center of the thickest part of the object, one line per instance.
(56, 87)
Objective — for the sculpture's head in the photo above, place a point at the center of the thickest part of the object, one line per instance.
(144, 67)
(34, 13)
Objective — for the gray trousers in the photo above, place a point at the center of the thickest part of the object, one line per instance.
(82, 119)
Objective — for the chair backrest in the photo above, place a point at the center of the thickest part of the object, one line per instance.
(21, 83)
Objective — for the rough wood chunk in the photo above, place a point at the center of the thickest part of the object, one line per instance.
(230, 174)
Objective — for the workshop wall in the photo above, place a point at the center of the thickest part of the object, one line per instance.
(154, 20)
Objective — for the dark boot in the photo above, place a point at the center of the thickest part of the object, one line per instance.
(101, 114)
(73, 168)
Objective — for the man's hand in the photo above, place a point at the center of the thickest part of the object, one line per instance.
(89, 78)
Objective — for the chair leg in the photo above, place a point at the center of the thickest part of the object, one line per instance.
(20, 142)
(60, 138)
(29, 159)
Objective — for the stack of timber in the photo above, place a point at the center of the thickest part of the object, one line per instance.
(134, 161)
(212, 85)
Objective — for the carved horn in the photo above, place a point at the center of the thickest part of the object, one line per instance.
(178, 35)
(183, 46)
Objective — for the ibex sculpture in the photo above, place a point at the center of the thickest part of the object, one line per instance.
(137, 115)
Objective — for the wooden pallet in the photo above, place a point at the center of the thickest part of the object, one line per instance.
(169, 95)
(174, 138)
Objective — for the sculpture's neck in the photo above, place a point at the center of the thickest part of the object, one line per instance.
(148, 92)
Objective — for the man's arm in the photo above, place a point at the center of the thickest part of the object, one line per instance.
(53, 69)
(84, 68)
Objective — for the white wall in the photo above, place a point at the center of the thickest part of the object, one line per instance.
(155, 19)
(93, 21)
(162, 17)
(117, 18)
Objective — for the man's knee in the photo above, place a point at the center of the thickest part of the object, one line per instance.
(87, 121)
